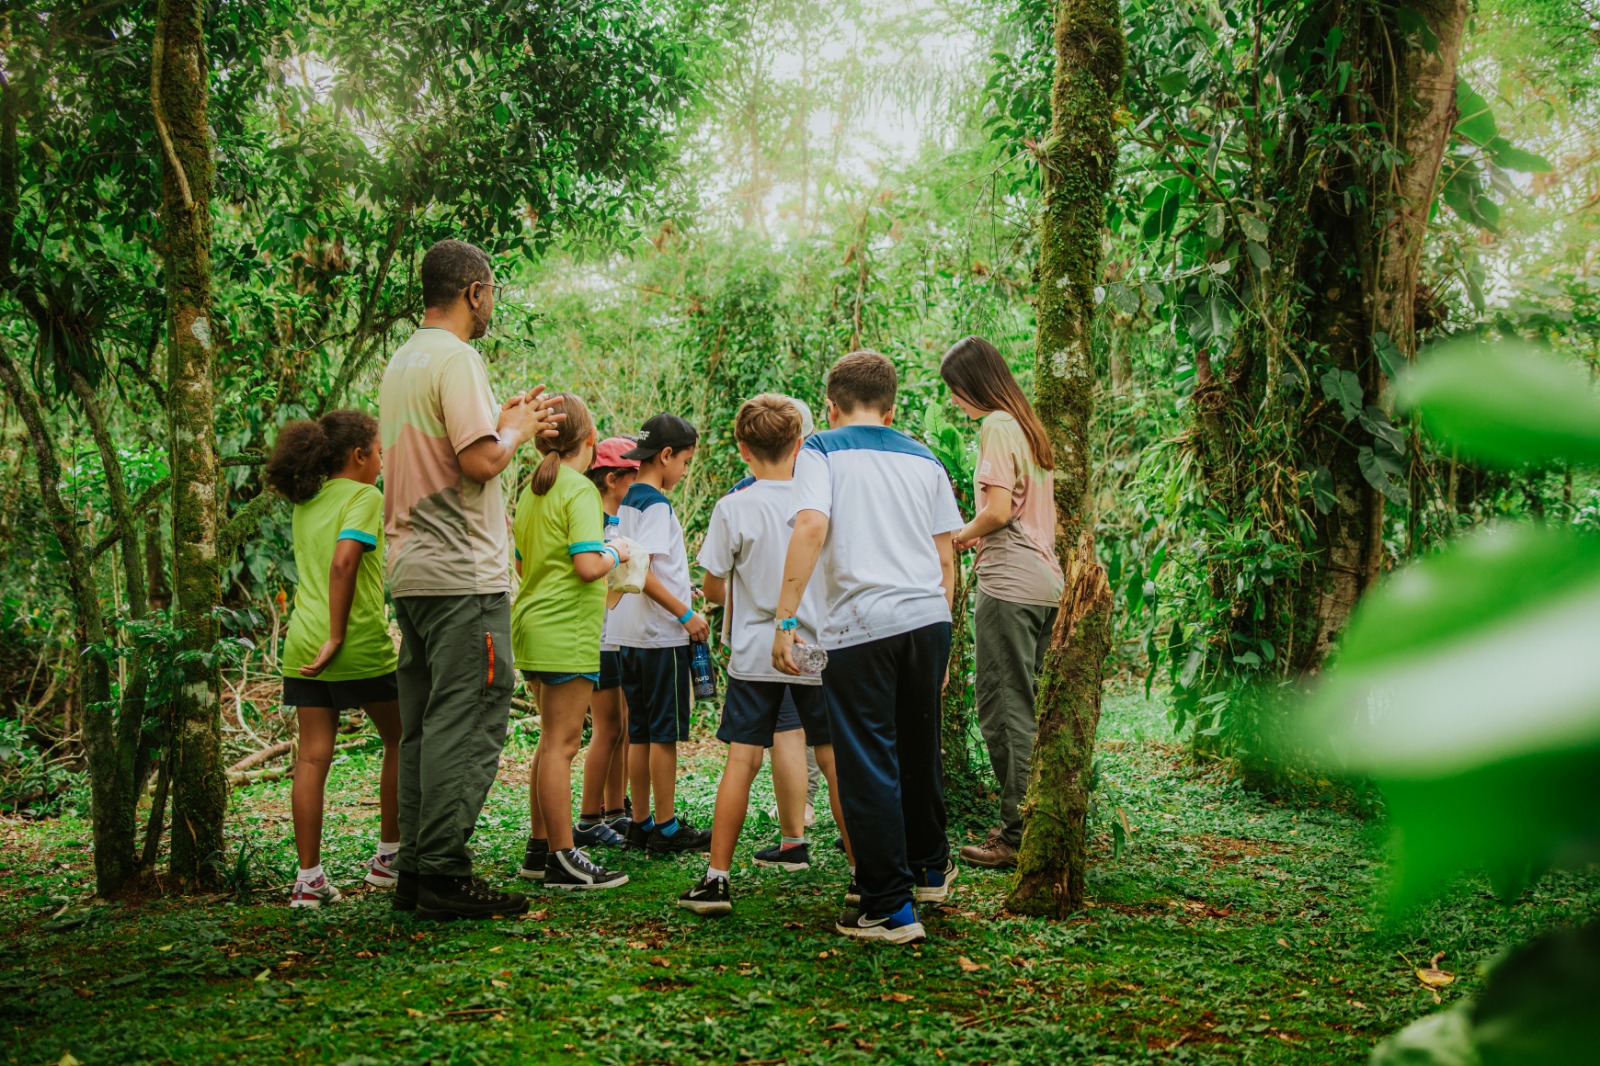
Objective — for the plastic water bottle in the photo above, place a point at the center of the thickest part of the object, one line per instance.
(705, 678)
(810, 658)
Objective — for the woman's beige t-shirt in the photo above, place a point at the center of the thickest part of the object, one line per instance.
(1017, 562)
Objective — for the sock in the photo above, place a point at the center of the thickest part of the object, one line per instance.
(588, 821)
(716, 875)
(648, 824)
(669, 828)
(311, 876)
(539, 843)
(611, 815)
(387, 851)
(792, 842)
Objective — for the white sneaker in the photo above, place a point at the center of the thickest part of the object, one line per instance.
(309, 895)
(381, 874)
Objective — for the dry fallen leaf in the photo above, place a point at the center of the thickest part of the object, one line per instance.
(969, 966)
(412, 1012)
(1283, 942)
(839, 1025)
(637, 945)
(897, 997)
(1434, 977)
(496, 982)
(661, 961)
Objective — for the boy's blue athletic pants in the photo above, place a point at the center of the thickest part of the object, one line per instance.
(884, 706)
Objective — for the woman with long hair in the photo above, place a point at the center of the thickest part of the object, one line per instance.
(338, 653)
(1019, 577)
(556, 621)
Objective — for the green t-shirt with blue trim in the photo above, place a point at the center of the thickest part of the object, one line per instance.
(557, 617)
(343, 510)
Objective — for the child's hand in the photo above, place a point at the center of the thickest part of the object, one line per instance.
(783, 652)
(620, 546)
(325, 654)
(965, 545)
(699, 629)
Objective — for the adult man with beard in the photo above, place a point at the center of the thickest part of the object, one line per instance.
(447, 441)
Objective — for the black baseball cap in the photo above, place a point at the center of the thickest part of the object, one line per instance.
(663, 431)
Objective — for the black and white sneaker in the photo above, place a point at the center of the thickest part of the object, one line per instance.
(534, 857)
(901, 927)
(571, 871)
(933, 886)
(709, 897)
(793, 858)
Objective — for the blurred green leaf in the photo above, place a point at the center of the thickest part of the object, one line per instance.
(1506, 404)
(1476, 123)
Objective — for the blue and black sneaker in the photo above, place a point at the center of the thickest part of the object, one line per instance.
(933, 886)
(596, 835)
(677, 837)
(635, 835)
(791, 857)
(901, 927)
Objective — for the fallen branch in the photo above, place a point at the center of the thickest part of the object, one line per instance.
(266, 754)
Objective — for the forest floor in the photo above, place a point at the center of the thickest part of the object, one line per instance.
(1230, 929)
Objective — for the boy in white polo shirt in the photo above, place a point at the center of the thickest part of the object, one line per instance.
(743, 556)
(877, 510)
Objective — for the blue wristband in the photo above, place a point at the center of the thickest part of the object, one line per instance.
(787, 625)
(683, 619)
(616, 560)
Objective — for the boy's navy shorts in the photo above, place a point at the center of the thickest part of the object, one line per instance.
(656, 683)
(610, 670)
(753, 710)
(340, 695)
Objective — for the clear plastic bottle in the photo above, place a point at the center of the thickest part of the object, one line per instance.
(810, 658)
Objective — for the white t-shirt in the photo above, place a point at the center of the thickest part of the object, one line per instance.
(637, 621)
(606, 643)
(746, 543)
(886, 498)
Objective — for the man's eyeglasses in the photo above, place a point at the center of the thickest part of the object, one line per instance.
(496, 288)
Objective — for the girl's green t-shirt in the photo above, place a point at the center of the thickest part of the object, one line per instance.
(343, 510)
(557, 617)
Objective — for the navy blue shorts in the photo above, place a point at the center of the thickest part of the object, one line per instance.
(340, 695)
(610, 670)
(550, 677)
(655, 682)
(753, 710)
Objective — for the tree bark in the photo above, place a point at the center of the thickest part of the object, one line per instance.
(1079, 163)
(178, 96)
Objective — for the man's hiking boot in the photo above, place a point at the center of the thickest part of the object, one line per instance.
(901, 927)
(686, 838)
(405, 891)
(709, 897)
(447, 898)
(791, 857)
(933, 886)
(993, 853)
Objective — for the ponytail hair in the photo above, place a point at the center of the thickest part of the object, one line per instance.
(974, 370)
(309, 453)
(571, 434)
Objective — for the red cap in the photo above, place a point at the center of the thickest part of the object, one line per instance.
(610, 454)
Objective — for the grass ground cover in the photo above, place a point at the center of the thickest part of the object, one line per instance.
(1230, 929)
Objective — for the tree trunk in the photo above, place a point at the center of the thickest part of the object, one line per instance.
(178, 103)
(1079, 164)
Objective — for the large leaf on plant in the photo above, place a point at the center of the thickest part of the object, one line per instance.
(1469, 688)
(1541, 1006)
(1507, 155)
(1441, 1039)
(1506, 403)
(1476, 123)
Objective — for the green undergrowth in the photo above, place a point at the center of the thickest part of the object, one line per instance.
(1230, 929)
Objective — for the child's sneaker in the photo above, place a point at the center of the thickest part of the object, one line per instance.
(635, 837)
(571, 871)
(598, 835)
(933, 886)
(381, 873)
(313, 894)
(709, 897)
(901, 927)
(534, 857)
(684, 839)
(791, 857)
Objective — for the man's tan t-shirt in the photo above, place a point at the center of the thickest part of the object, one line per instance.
(446, 533)
(1017, 562)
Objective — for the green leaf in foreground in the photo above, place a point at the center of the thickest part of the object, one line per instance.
(1468, 686)
(1505, 404)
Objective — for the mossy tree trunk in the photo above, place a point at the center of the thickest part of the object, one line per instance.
(178, 92)
(1079, 161)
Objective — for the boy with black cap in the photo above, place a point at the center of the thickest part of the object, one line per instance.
(653, 631)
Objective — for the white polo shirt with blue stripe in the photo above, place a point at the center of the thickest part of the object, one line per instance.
(886, 497)
(646, 518)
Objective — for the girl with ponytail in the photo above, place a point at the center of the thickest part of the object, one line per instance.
(560, 608)
(338, 653)
(1019, 577)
